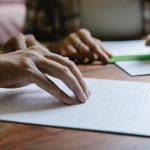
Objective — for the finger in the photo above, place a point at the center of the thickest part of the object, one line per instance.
(68, 53)
(73, 54)
(63, 73)
(81, 47)
(19, 42)
(94, 46)
(71, 51)
(8, 47)
(17, 85)
(63, 52)
(103, 48)
(85, 51)
(148, 40)
(46, 84)
(31, 41)
(73, 68)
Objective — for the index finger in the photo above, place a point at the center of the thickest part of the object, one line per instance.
(87, 39)
(73, 68)
(103, 48)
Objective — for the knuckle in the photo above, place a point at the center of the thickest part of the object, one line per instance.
(20, 35)
(65, 70)
(31, 54)
(35, 47)
(30, 37)
(71, 64)
(83, 31)
(71, 36)
(25, 65)
(28, 66)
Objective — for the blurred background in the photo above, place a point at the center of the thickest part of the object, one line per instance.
(12, 16)
(110, 19)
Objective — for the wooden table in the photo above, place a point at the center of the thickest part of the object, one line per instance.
(32, 137)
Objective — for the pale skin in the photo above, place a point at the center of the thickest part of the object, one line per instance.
(80, 46)
(30, 65)
(24, 60)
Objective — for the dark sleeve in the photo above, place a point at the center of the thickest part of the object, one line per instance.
(38, 20)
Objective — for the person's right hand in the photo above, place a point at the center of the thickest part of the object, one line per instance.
(81, 47)
(31, 65)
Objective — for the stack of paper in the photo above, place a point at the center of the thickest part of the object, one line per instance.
(130, 48)
(114, 106)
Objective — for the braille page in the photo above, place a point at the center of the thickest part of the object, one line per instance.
(114, 106)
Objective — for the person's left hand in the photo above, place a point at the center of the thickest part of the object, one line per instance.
(19, 42)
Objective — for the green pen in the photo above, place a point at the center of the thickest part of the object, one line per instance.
(128, 58)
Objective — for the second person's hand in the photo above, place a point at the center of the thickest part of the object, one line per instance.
(81, 47)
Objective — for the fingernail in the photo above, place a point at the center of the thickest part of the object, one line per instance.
(83, 98)
(88, 93)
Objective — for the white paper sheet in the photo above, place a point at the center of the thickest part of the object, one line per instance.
(133, 68)
(127, 47)
(114, 106)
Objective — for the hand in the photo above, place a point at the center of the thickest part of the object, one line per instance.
(148, 40)
(30, 66)
(19, 42)
(81, 47)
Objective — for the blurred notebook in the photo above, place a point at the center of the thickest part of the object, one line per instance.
(136, 47)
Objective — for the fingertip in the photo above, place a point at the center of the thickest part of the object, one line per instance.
(109, 55)
(88, 93)
(105, 61)
(82, 98)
